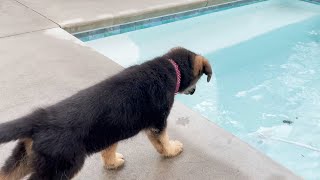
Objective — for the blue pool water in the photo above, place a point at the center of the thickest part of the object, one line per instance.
(266, 61)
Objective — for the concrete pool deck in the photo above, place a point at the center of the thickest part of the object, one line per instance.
(42, 64)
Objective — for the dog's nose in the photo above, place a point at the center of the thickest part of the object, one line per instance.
(192, 91)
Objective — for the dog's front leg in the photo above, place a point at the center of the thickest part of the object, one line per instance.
(112, 159)
(163, 145)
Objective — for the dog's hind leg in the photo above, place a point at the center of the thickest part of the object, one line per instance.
(160, 140)
(18, 165)
(56, 168)
(112, 159)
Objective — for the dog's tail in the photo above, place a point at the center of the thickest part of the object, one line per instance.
(19, 128)
(16, 129)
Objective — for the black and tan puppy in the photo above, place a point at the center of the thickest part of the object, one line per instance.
(54, 141)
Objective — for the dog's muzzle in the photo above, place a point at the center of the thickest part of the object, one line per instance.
(190, 90)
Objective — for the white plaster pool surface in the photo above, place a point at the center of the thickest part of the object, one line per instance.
(266, 88)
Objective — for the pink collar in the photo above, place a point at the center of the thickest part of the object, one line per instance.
(178, 73)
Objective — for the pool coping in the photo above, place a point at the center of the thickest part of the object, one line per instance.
(178, 9)
(130, 16)
(146, 22)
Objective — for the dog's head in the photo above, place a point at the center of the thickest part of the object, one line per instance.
(192, 66)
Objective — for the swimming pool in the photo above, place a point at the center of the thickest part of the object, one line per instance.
(266, 84)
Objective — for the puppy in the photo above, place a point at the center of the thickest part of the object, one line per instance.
(54, 141)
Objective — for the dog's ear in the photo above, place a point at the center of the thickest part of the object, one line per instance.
(202, 65)
(207, 70)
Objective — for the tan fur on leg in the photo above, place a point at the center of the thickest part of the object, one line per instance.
(2, 176)
(112, 159)
(28, 145)
(18, 173)
(24, 168)
(163, 145)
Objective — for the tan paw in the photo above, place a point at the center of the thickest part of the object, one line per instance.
(119, 156)
(116, 163)
(174, 149)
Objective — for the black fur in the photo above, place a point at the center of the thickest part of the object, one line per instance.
(139, 97)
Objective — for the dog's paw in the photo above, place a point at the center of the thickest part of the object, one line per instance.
(174, 149)
(116, 163)
(119, 156)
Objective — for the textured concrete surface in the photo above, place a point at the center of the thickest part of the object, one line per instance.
(80, 15)
(41, 68)
(44, 67)
(15, 18)
(209, 153)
